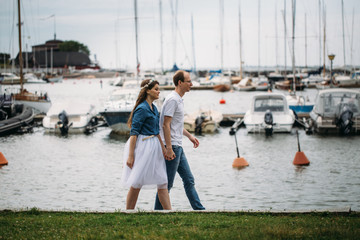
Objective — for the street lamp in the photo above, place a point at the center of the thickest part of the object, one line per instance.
(331, 57)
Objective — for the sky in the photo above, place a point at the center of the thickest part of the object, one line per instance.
(206, 35)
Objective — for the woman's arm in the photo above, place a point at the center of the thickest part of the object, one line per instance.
(131, 158)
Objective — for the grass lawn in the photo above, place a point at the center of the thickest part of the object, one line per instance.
(35, 224)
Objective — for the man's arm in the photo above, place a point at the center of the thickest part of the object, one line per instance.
(193, 139)
(169, 154)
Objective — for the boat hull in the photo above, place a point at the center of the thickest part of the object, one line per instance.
(117, 121)
(260, 128)
(40, 107)
(301, 108)
(13, 124)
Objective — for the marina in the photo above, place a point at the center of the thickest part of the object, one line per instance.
(83, 172)
(63, 115)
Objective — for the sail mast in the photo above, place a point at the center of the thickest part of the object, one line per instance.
(324, 39)
(240, 42)
(20, 49)
(161, 38)
(276, 40)
(221, 34)
(193, 42)
(258, 39)
(343, 31)
(293, 42)
(285, 33)
(136, 39)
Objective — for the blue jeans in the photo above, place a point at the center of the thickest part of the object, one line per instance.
(180, 165)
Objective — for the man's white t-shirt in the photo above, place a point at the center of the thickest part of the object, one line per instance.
(173, 106)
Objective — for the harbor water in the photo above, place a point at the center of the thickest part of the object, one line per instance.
(82, 172)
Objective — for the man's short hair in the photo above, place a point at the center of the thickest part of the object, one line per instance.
(179, 76)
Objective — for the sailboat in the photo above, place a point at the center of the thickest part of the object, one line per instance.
(40, 103)
(222, 83)
(296, 103)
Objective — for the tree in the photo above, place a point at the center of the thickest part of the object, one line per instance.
(74, 46)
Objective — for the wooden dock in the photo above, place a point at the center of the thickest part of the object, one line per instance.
(202, 87)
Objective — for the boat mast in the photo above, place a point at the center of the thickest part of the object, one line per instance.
(193, 43)
(352, 41)
(20, 50)
(324, 39)
(136, 40)
(319, 33)
(161, 39)
(343, 31)
(276, 40)
(221, 34)
(305, 42)
(293, 3)
(258, 39)
(240, 42)
(285, 33)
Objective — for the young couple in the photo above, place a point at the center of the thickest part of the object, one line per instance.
(153, 154)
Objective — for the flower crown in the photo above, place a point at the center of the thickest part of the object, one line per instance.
(147, 85)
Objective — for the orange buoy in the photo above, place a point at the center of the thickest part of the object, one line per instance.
(222, 101)
(300, 158)
(3, 160)
(240, 163)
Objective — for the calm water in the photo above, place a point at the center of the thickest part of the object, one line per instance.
(83, 172)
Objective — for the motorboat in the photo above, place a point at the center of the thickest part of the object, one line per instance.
(9, 79)
(288, 85)
(14, 117)
(70, 117)
(262, 85)
(336, 110)
(53, 78)
(32, 78)
(313, 80)
(298, 103)
(117, 109)
(202, 121)
(245, 84)
(269, 113)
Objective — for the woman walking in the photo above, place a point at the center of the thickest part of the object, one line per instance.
(144, 164)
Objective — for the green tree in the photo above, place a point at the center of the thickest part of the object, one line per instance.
(74, 46)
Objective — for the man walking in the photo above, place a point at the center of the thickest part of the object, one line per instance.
(172, 131)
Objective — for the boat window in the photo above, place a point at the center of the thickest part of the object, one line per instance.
(334, 101)
(272, 104)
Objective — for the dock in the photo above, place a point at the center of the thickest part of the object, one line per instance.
(201, 87)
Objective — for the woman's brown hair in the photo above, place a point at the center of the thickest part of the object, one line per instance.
(146, 84)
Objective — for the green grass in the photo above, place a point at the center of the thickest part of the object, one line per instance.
(35, 224)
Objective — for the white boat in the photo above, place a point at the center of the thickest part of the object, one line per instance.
(299, 103)
(336, 110)
(203, 121)
(312, 80)
(269, 112)
(245, 84)
(9, 78)
(54, 79)
(262, 85)
(32, 78)
(118, 107)
(70, 117)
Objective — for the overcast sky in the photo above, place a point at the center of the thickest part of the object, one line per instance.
(107, 27)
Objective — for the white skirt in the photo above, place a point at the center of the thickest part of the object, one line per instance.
(149, 169)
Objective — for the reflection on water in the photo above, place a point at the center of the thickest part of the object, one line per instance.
(83, 172)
